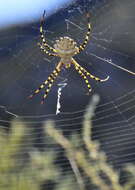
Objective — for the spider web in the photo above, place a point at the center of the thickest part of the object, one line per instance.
(23, 68)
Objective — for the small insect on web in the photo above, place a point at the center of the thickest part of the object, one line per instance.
(66, 48)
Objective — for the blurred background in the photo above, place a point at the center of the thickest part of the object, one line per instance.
(17, 12)
(23, 67)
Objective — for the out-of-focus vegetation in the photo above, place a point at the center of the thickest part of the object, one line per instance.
(18, 173)
(86, 161)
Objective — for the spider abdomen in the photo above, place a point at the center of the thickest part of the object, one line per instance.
(65, 47)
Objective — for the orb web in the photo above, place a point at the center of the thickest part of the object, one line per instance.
(24, 67)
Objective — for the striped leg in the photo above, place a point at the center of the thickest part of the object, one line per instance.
(83, 45)
(50, 83)
(44, 50)
(43, 36)
(84, 77)
(88, 74)
(50, 80)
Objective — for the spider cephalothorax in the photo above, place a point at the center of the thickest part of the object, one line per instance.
(65, 48)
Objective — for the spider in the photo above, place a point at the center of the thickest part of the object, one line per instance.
(65, 48)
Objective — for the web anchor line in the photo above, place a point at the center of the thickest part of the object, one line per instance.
(61, 86)
(111, 63)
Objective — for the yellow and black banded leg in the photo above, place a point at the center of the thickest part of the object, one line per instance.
(84, 77)
(88, 74)
(44, 50)
(83, 45)
(50, 83)
(50, 79)
(43, 36)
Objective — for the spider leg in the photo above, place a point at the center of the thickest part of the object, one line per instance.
(83, 45)
(49, 80)
(84, 77)
(87, 73)
(43, 36)
(42, 47)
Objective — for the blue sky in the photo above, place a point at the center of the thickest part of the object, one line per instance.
(16, 11)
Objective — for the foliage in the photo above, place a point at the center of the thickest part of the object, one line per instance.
(88, 161)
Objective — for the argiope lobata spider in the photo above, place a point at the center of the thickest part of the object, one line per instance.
(65, 48)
